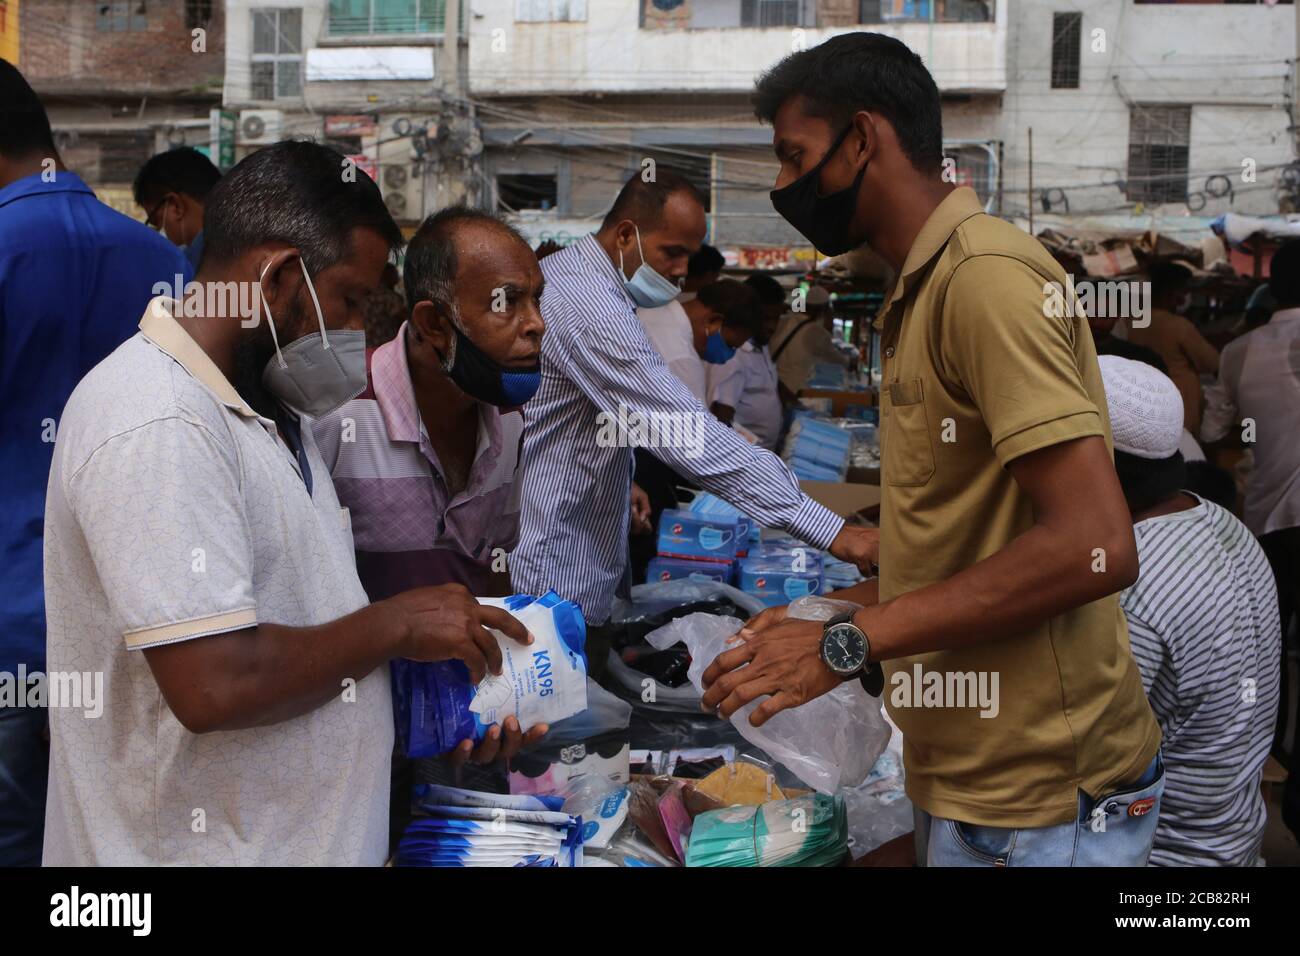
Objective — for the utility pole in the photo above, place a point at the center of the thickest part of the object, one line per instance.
(1031, 180)
(451, 47)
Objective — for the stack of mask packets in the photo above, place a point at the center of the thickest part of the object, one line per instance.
(469, 828)
(817, 450)
(804, 831)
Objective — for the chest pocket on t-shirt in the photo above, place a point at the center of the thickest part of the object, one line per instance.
(907, 452)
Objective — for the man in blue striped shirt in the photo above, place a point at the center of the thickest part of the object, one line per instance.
(606, 390)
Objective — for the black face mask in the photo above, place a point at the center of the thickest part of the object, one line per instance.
(478, 376)
(823, 220)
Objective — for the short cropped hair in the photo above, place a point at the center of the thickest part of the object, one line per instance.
(643, 202)
(429, 272)
(24, 125)
(181, 170)
(860, 71)
(294, 192)
(738, 303)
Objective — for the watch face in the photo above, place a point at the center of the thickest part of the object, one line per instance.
(844, 649)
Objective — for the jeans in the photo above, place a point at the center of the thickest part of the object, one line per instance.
(1116, 830)
(24, 772)
(1282, 548)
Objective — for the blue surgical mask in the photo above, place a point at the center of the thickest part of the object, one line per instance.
(647, 287)
(799, 587)
(716, 349)
(713, 538)
(319, 372)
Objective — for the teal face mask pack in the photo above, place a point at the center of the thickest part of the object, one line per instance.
(714, 507)
(673, 569)
(774, 580)
(687, 534)
(436, 707)
(805, 831)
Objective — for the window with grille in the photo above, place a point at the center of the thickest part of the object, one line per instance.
(1158, 141)
(1067, 39)
(367, 17)
(770, 13)
(197, 13)
(516, 191)
(277, 53)
(121, 16)
(550, 11)
(120, 155)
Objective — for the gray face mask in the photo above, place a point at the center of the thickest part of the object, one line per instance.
(319, 372)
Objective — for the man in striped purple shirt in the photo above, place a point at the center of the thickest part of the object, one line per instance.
(426, 459)
(599, 373)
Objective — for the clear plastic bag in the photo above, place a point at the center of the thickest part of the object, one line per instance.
(829, 743)
(816, 608)
(878, 810)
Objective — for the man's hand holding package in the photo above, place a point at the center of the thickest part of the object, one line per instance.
(502, 742)
(782, 660)
(445, 622)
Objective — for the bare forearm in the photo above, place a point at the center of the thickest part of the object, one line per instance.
(272, 672)
(864, 592)
(1039, 575)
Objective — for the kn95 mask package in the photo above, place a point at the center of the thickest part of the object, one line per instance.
(436, 707)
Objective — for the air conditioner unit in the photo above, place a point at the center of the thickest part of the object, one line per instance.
(402, 186)
(259, 127)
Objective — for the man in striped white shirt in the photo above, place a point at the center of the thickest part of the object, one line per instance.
(1203, 625)
(606, 390)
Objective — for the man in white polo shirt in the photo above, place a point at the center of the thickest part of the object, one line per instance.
(197, 556)
(745, 392)
(702, 332)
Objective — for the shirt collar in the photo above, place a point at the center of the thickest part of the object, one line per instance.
(35, 184)
(390, 374)
(391, 377)
(958, 206)
(596, 254)
(161, 328)
(1285, 315)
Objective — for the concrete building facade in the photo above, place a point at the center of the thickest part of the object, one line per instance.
(1170, 109)
(374, 78)
(575, 95)
(123, 79)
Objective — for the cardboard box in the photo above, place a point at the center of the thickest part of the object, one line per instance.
(845, 498)
(840, 399)
(864, 476)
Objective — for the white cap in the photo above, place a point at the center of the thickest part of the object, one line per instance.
(1146, 410)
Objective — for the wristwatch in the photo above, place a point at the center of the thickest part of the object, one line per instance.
(845, 650)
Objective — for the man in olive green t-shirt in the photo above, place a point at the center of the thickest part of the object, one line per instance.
(1004, 536)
